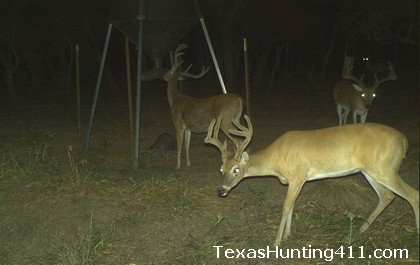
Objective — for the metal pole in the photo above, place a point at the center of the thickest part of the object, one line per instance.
(129, 94)
(78, 87)
(140, 18)
(247, 88)
(213, 56)
(98, 84)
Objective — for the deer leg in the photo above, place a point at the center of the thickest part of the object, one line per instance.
(345, 114)
(287, 212)
(385, 198)
(363, 117)
(340, 115)
(179, 139)
(288, 223)
(187, 146)
(354, 116)
(398, 186)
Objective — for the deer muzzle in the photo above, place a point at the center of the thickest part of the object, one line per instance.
(222, 191)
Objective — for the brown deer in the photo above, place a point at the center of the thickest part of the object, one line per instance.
(296, 157)
(351, 94)
(195, 114)
(375, 66)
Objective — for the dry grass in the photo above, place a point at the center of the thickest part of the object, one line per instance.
(59, 206)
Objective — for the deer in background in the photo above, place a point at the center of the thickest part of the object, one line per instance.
(376, 67)
(296, 157)
(352, 94)
(195, 114)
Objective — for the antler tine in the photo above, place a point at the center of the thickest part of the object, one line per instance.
(243, 131)
(180, 47)
(348, 75)
(348, 69)
(392, 76)
(178, 54)
(186, 70)
(204, 70)
(213, 136)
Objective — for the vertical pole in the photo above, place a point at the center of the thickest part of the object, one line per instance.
(129, 95)
(98, 84)
(247, 89)
(140, 18)
(287, 60)
(213, 56)
(78, 87)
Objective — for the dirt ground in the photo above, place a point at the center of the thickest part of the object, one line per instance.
(59, 205)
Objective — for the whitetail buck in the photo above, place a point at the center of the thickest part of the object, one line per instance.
(376, 66)
(299, 156)
(351, 94)
(195, 114)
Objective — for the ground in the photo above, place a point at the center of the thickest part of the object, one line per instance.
(60, 205)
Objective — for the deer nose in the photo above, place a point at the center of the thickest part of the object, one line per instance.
(222, 192)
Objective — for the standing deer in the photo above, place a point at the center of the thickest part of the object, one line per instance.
(195, 114)
(351, 94)
(296, 157)
(375, 65)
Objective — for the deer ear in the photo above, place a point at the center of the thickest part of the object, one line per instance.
(244, 157)
(357, 87)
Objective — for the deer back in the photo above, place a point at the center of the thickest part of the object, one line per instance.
(206, 109)
(338, 150)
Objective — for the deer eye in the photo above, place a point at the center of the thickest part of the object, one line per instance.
(374, 95)
(221, 170)
(363, 95)
(236, 170)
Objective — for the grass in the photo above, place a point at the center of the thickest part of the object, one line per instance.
(84, 251)
(59, 206)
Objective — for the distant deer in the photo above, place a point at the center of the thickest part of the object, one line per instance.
(376, 66)
(351, 94)
(296, 157)
(165, 145)
(195, 114)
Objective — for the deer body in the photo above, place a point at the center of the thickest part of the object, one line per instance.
(206, 109)
(299, 156)
(375, 66)
(191, 114)
(350, 97)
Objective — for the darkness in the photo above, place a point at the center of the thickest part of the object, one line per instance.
(288, 41)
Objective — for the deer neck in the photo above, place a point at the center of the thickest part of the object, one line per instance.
(173, 90)
(259, 164)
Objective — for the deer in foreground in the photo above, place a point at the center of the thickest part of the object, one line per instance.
(296, 157)
(195, 114)
(351, 94)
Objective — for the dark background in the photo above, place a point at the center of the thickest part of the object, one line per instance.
(290, 42)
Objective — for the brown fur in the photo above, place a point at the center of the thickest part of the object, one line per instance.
(373, 149)
(195, 114)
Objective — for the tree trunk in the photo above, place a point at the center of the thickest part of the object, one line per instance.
(10, 65)
(329, 52)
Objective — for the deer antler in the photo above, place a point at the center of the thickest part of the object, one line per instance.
(213, 137)
(185, 73)
(244, 132)
(347, 72)
(178, 62)
(392, 76)
(177, 55)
